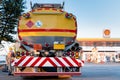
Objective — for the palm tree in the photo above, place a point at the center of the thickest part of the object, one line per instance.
(10, 11)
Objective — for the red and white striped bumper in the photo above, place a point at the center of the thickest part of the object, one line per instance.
(30, 61)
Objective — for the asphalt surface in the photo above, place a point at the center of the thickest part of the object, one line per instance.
(106, 71)
(91, 71)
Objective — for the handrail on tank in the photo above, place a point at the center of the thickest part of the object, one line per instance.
(47, 5)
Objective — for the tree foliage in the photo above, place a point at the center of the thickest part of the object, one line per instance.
(10, 11)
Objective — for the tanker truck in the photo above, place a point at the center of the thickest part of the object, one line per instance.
(48, 47)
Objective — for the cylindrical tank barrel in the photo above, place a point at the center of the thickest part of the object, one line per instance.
(46, 25)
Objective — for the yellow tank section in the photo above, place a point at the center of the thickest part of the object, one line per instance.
(47, 22)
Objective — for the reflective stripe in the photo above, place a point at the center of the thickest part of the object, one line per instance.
(30, 61)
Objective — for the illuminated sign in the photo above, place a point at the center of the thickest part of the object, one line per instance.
(106, 33)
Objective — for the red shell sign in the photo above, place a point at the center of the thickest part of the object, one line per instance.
(106, 33)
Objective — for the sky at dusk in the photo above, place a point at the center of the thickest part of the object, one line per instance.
(93, 16)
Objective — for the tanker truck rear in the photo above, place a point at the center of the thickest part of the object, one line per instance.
(47, 43)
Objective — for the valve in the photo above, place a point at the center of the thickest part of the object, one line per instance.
(26, 15)
(68, 15)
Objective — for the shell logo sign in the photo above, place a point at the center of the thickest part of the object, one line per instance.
(106, 33)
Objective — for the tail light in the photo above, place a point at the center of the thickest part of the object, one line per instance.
(77, 55)
(22, 53)
(72, 54)
(68, 53)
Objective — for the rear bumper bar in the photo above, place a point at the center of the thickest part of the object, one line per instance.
(45, 73)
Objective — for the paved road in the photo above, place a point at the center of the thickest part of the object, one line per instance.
(107, 71)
